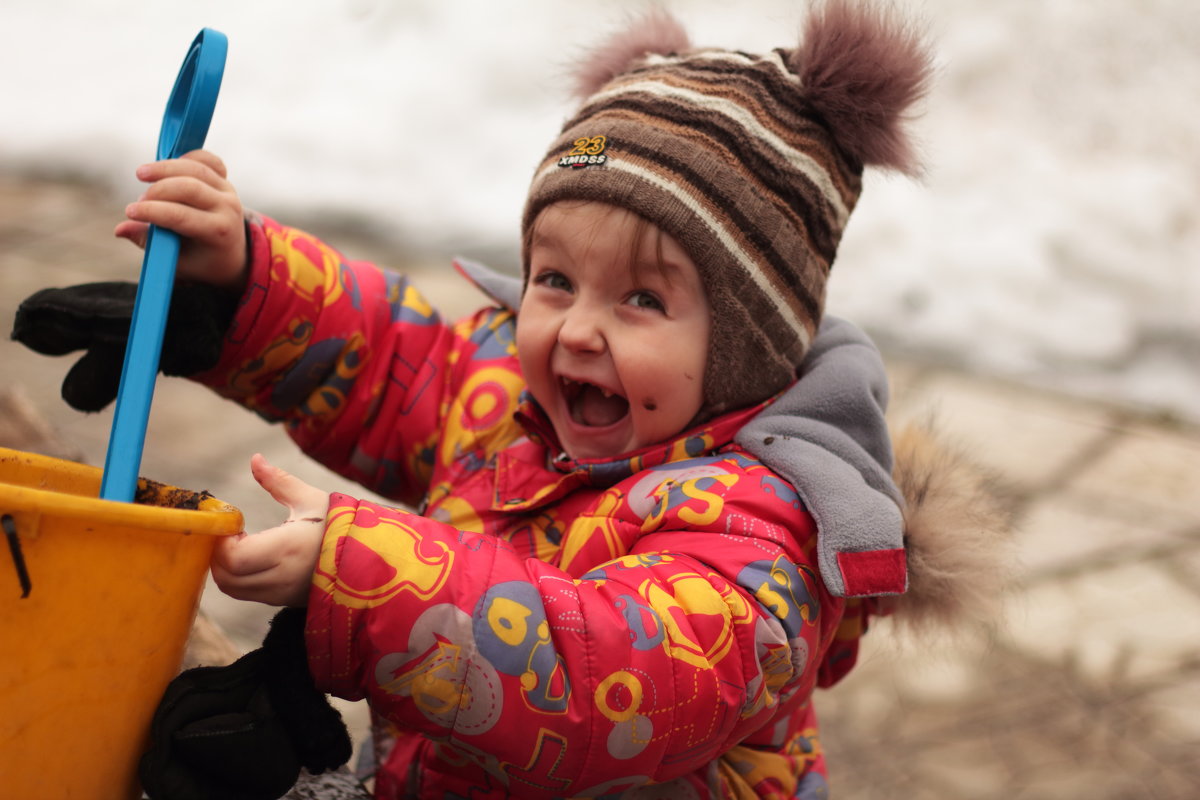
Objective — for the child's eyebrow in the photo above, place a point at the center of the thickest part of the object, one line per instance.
(663, 267)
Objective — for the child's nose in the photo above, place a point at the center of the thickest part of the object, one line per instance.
(581, 330)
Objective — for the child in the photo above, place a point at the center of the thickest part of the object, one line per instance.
(603, 593)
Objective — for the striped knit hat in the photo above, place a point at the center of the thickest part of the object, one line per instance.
(752, 163)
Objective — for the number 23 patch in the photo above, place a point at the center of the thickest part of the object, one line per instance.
(586, 152)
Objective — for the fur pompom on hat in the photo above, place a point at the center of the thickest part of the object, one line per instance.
(752, 163)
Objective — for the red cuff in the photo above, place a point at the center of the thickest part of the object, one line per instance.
(874, 572)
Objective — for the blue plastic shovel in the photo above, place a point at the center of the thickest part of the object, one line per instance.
(185, 124)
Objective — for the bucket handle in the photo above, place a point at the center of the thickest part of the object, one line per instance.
(14, 549)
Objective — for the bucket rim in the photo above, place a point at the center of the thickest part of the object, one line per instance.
(214, 517)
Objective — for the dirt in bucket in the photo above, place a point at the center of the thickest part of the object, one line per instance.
(153, 493)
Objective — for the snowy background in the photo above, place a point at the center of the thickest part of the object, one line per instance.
(1054, 240)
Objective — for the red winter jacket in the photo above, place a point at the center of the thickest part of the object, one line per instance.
(544, 627)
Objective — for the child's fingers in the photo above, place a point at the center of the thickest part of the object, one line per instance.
(242, 556)
(188, 207)
(273, 479)
(193, 193)
(285, 488)
(274, 566)
(187, 189)
(210, 227)
(210, 160)
(135, 232)
(183, 167)
(261, 587)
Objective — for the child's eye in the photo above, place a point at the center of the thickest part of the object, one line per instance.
(647, 300)
(552, 280)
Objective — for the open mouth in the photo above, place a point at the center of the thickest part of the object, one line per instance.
(591, 405)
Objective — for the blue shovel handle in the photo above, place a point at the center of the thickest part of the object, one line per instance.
(185, 124)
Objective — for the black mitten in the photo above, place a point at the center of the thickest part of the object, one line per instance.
(316, 728)
(214, 735)
(95, 317)
(242, 732)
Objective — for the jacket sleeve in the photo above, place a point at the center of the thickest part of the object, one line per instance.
(708, 629)
(350, 357)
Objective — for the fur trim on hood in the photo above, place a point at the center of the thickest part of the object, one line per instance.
(956, 536)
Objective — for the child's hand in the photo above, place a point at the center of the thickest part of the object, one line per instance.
(189, 195)
(275, 566)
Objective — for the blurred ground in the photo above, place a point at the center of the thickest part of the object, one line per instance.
(1089, 687)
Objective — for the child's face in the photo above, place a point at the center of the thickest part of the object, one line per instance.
(613, 329)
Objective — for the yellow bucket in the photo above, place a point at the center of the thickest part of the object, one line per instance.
(97, 599)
